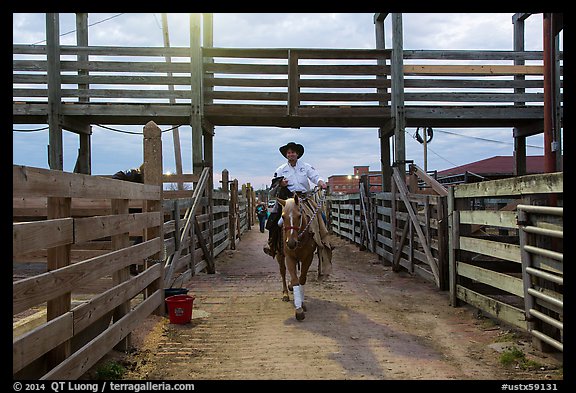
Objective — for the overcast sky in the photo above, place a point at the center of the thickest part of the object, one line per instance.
(251, 153)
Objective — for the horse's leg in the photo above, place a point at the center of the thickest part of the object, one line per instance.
(296, 288)
(306, 263)
(281, 262)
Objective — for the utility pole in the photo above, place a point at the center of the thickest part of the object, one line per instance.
(175, 130)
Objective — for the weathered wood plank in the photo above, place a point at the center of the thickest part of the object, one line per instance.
(507, 251)
(81, 361)
(35, 290)
(500, 310)
(37, 235)
(498, 280)
(504, 219)
(89, 312)
(521, 185)
(472, 70)
(90, 228)
(471, 54)
(40, 340)
(30, 181)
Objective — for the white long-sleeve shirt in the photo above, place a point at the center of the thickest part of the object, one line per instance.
(298, 175)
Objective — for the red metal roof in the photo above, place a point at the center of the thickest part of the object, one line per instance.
(497, 165)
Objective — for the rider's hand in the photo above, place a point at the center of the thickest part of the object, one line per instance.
(284, 183)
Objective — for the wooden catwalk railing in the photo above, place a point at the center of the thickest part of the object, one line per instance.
(280, 87)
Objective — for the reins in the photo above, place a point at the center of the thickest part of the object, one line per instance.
(303, 231)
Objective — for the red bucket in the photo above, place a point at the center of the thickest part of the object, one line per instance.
(180, 308)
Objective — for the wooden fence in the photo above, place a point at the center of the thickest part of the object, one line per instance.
(496, 263)
(487, 243)
(91, 301)
(196, 237)
(86, 271)
(405, 227)
(92, 256)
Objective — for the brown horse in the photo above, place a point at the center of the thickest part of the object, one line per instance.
(298, 249)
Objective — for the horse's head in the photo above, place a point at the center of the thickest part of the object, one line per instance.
(293, 220)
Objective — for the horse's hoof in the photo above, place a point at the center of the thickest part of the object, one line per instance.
(304, 307)
(300, 314)
(285, 298)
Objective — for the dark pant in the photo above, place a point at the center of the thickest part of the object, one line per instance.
(262, 220)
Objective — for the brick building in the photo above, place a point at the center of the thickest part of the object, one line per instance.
(349, 184)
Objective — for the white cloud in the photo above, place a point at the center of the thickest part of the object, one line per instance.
(251, 153)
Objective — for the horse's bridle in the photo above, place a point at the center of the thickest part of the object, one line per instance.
(288, 228)
(301, 232)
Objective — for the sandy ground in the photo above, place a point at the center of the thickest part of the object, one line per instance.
(364, 322)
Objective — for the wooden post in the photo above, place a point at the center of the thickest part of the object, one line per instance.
(153, 175)
(451, 247)
(397, 69)
(383, 132)
(83, 162)
(293, 83)
(393, 221)
(120, 241)
(58, 257)
(55, 147)
(519, 140)
(196, 87)
(442, 242)
(224, 181)
(233, 211)
(209, 190)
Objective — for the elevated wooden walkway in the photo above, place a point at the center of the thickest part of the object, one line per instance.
(280, 87)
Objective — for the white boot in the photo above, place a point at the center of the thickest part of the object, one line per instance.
(298, 296)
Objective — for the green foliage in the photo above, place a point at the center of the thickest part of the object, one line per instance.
(515, 356)
(512, 355)
(110, 370)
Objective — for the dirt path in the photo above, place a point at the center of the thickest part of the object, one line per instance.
(363, 322)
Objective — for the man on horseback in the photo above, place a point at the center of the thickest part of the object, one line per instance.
(295, 176)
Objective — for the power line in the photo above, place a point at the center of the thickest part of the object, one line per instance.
(31, 130)
(428, 147)
(90, 25)
(483, 139)
(101, 126)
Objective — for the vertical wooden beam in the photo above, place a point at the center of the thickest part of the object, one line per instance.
(58, 257)
(519, 139)
(397, 69)
(383, 133)
(557, 99)
(441, 209)
(234, 226)
(393, 220)
(120, 241)
(196, 72)
(550, 142)
(225, 182)
(208, 133)
(55, 147)
(153, 175)
(453, 222)
(83, 163)
(208, 161)
(249, 207)
(293, 83)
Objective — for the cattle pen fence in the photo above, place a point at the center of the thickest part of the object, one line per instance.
(495, 245)
(93, 255)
